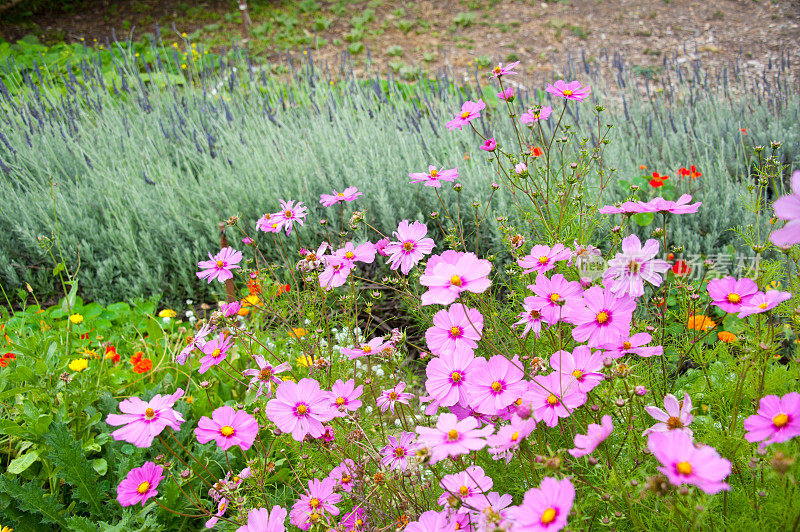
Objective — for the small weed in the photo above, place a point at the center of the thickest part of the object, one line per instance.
(465, 19)
(366, 16)
(404, 25)
(308, 6)
(483, 61)
(394, 51)
(510, 58)
(356, 48)
(648, 51)
(642, 33)
(355, 35)
(580, 32)
(718, 15)
(399, 12)
(322, 23)
(429, 57)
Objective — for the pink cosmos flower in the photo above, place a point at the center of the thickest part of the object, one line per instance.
(546, 507)
(788, 208)
(222, 507)
(506, 94)
(452, 437)
(684, 463)
(196, 341)
(763, 302)
(509, 437)
(219, 266)
(227, 427)
(466, 485)
(501, 70)
(469, 112)
(489, 145)
(604, 318)
(595, 435)
(431, 521)
(388, 398)
(312, 260)
(318, 500)
(230, 309)
(521, 168)
(730, 294)
(345, 396)
(434, 177)
(301, 408)
(636, 344)
(448, 375)
(777, 420)
(543, 258)
(677, 417)
(534, 115)
(530, 317)
(380, 247)
(495, 384)
(552, 397)
(265, 376)
(348, 194)
(140, 484)
(453, 272)
(291, 213)
(344, 474)
(336, 271)
(247, 241)
(628, 270)
(215, 351)
(144, 420)
(354, 520)
(410, 247)
(396, 452)
(582, 365)
(491, 510)
(627, 208)
(269, 223)
(263, 520)
(555, 297)
(571, 91)
(351, 253)
(681, 206)
(455, 330)
(376, 345)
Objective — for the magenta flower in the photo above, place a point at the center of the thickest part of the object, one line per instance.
(489, 145)
(543, 258)
(763, 302)
(195, 341)
(570, 91)
(348, 194)
(495, 384)
(453, 272)
(582, 365)
(263, 520)
(636, 344)
(222, 507)
(219, 266)
(469, 112)
(380, 247)
(351, 253)
(265, 376)
(312, 260)
(301, 408)
(336, 271)
(345, 396)
(552, 397)
(628, 270)
(530, 317)
(411, 246)
(452, 437)
(777, 420)
(595, 435)
(536, 114)
(388, 398)
(501, 70)
(431, 521)
(227, 427)
(681, 206)
(466, 485)
(318, 500)
(627, 208)
(376, 345)
(269, 223)
(509, 437)
(230, 309)
(354, 521)
(677, 417)
(455, 330)
(448, 375)
(140, 484)
(731, 295)
(604, 318)
(144, 420)
(396, 452)
(506, 94)
(684, 463)
(247, 241)
(215, 351)
(788, 208)
(344, 474)
(555, 297)
(289, 214)
(434, 176)
(546, 507)
(491, 510)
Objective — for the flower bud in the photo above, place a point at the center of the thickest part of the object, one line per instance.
(457, 187)
(495, 186)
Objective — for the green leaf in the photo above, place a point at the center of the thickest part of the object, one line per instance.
(68, 303)
(82, 524)
(643, 219)
(32, 498)
(21, 463)
(9, 427)
(100, 465)
(67, 455)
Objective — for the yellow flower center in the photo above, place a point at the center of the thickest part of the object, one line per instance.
(554, 297)
(288, 214)
(340, 194)
(359, 522)
(634, 266)
(455, 280)
(349, 254)
(399, 452)
(496, 386)
(456, 376)
(392, 395)
(408, 246)
(464, 491)
(220, 264)
(552, 400)
(435, 172)
(497, 69)
(227, 431)
(216, 353)
(780, 420)
(366, 349)
(515, 436)
(602, 317)
(674, 423)
(315, 517)
(340, 401)
(684, 468)
(302, 409)
(143, 487)
(265, 374)
(346, 479)
(567, 92)
(311, 257)
(543, 259)
(548, 516)
(763, 305)
(149, 413)
(452, 435)
(314, 503)
(577, 374)
(626, 345)
(465, 115)
(734, 298)
(455, 331)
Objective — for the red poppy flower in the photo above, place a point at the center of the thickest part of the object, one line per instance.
(536, 152)
(683, 172)
(680, 268)
(694, 174)
(642, 167)
(658, 180)
(744, 131)
(111, 354)
(5, 359)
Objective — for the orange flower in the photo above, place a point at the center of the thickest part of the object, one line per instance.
(658, 180)
(254, 286)
(680, 268)
(642, 167)
(111, 354)
(693, 173)
(5, 359)
(726, 336)
(698, 322)
(143, 366)
(744, 131)
(536, 151)
(284, 288)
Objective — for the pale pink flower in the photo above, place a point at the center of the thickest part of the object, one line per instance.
(336, 271)
(345, 396)
(452, 437)
(521, 168)
(453, 272)
(543, 258)
(144, 420)
(595, 435)
(777, 420)
(312, 260)
(140, 484)
(389, 398)
(219, 266)
(222, 507)
(455, 330)
(536, 114)
(465, 486)
(301, 408)
(227, 427)
(730, 294)
(681, 206)
(509, 437)
(351, 253)
(263, 520)
(269, 223)
(553, 397)
(348, 194)
(506, 94)
(545, 508)
(396, 452)
(411, 246)
(570, 91)
(530, 317)
(676, 418)
(344, 474)
(492, 510)
(788, 208)
(682, 462)
(374, 346)
(318, 500)
(636, 344)
(501, 70)
(448, 375)
(290, 214)
(380, 247)
(628, 270)
(495, 384)
(196, 341)
(434, 176)
(431, 521)
(763, 302)
(215, 351)
(354, 521)
(555, 297)
(582, 365)
(469, 112)
(265, 376)
(603, 318)
(230, 310)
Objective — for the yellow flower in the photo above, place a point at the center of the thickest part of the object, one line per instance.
(167, 313)
(251, 300)
(91, 353)
(305, 361)
(189, 399)
(76, 318)
(297, 332)
(243, 311)
(6, 529)
(79, 364)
